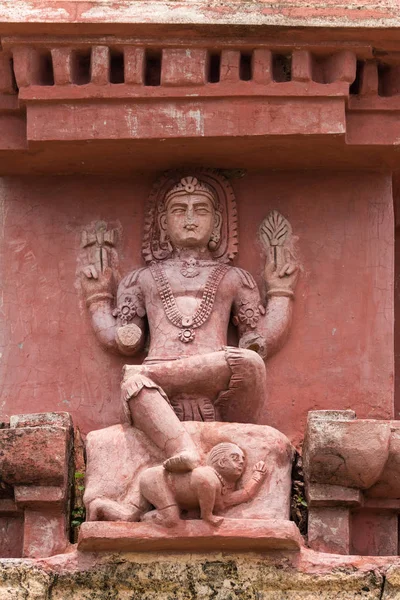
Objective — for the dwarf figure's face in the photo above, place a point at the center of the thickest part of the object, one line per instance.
(228, 459)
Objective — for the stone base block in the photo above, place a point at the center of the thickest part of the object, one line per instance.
(329, 530)
(36, 464)
(190, 536)
(304, 575)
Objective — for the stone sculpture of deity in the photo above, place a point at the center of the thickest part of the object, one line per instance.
(183, 300)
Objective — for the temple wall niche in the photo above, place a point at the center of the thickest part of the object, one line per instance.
(340, 351)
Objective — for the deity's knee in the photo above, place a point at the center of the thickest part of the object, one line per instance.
(134, 382)
(246, 394)
(253, 363)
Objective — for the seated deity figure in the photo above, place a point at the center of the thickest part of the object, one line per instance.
(183, 302)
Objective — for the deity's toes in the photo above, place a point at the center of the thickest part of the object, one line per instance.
(181, 463)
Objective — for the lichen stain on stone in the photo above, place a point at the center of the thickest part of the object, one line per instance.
(188, 577)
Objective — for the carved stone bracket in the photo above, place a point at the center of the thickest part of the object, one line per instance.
(352, 486)
(36, 461)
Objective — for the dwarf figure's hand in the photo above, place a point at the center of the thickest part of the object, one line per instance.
(259, 471)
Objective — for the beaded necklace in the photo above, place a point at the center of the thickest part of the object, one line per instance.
(187, 325)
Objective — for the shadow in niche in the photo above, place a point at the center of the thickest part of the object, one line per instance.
(397, 324)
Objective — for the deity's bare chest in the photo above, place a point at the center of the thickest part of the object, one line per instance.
(187, 301)
(189, 287)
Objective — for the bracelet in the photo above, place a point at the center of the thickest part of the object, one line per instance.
(98, 298)
(280, 292)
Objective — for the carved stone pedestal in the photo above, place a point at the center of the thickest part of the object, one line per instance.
(191, 536)
(116, 457)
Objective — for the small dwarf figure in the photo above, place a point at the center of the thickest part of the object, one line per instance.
(210, 488)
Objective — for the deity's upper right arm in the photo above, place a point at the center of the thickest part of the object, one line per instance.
(130, 298)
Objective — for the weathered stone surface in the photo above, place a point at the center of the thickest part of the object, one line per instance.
(392, 584)
(21, 579)
(191, 535)
(188, 577)
(351, 466)
(35, 463)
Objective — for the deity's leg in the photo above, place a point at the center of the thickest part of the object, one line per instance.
(150, 411)
(233, 379)
(245, 397)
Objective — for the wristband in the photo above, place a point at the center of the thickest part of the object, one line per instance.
(98, 298)
(277, 292)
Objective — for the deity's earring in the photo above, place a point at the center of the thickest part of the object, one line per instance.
(164, 237)
(214, 239)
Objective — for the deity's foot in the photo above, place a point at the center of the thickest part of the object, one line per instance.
(166, 517)
(182, 462)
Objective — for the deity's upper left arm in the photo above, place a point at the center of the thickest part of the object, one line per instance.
(247, 306)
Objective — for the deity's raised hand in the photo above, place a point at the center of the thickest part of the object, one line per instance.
(281, 274)
(97, 287)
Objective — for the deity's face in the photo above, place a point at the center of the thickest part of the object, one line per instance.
(231, 466)
(190, 220)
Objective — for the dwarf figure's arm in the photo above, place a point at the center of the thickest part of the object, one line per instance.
(249, 491)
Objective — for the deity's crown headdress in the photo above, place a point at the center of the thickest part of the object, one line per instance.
(207, 182)
(191, 185)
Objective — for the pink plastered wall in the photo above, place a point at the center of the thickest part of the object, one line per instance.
(340, 351)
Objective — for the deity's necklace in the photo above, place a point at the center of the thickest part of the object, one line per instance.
(191, 267)
(187, 324)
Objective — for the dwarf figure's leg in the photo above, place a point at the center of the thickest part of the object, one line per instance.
(205, 485)
(105, 509)
(155, 488)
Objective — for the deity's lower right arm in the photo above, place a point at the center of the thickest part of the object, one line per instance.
(126, 339)
(104, 324)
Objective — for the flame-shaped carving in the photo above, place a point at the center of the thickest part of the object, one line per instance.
(276, 236)
(275, 230)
